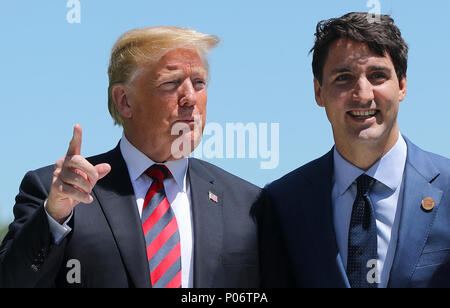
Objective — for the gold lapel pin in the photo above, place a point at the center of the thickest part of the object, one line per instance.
(428, 204)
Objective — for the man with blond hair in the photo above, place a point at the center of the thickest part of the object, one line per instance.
(142, 214)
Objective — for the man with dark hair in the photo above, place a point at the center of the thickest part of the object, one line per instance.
(375, 210)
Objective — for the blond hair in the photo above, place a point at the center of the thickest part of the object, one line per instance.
(139, 46)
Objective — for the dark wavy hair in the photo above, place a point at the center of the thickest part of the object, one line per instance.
(380, 34)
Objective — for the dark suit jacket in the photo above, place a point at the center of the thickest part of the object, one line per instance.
(107, 237)
(297, 231)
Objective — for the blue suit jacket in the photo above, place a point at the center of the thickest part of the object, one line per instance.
(297, 237)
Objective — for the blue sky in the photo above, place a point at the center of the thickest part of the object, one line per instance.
(54, 75)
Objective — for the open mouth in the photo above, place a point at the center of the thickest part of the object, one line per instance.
(363, 114)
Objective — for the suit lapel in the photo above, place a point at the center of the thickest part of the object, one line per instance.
(207, 222)
(116, 197)
(320, 195)
(306, 216)
(415, 223)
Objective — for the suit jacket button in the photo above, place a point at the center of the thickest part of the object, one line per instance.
(35, 268)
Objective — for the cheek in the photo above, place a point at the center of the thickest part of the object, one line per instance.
(387, 103)
(333, 116)
(339, 93)
(200, 106)
(335, 102)
(388, 95)
(202, 100)
(164, 106)
(337, 99)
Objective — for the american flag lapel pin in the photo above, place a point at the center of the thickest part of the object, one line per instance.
(213, 197)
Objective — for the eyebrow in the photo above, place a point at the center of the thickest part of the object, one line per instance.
(179, 73)
(199, 70)
(349, 70)
(379, 68)
(341, 70)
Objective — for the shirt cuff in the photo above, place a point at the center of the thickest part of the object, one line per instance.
(58, 231)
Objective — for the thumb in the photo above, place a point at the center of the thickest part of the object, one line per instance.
(102, 170)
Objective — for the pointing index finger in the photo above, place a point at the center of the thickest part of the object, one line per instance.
(75, 143)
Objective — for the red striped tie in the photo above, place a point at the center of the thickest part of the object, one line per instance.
(161, 233)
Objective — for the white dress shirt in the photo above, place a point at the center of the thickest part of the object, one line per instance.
(387, 199)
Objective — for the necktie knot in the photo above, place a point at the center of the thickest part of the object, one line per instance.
(364, 184)
(158, 172)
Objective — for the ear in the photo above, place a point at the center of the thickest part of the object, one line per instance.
(403, 89)
(120, 96)
(318, 93)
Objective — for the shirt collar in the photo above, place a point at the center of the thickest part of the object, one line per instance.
(388, 170)
(137, 162)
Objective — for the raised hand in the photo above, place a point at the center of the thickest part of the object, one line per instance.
(73, 180)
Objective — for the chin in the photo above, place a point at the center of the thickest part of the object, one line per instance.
(184, 145)
(371, 135)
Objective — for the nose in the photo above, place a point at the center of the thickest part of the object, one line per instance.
(187, 94)
(363, 91)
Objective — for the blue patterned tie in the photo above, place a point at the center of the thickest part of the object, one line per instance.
(362, 237)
